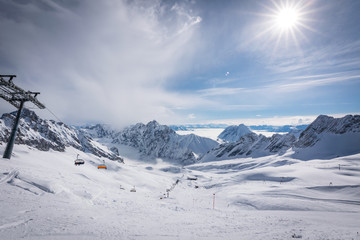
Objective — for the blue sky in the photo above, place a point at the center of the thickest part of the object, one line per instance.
(122, 62)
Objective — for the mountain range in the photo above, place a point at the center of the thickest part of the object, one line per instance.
(155, 140)
(151, 140)
(326, 137)
(268, 128)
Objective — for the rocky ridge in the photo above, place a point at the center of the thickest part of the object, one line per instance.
(48, 134)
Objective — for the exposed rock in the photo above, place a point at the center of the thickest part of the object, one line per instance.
(48, 134)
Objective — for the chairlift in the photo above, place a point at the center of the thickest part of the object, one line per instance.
(102, 166)
(78, 161)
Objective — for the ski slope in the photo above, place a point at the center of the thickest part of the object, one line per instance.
(43, 195)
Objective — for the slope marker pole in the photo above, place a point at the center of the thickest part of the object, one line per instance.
(213, 200)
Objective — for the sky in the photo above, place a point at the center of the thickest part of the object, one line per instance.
(126, 61)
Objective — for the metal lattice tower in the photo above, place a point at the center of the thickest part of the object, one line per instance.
(17, 97)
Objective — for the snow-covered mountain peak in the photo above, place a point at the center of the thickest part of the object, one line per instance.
(349, 123)
(327, 137)
(234, 133)
(325, 124)
(155, 140)
(98, 131)
(153, 124)
(26, 115)
(160, 141)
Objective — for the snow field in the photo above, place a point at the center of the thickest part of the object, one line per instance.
(43, 195)
(211, 133)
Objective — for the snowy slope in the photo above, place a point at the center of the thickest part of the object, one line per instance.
(211, 133)
(44, 196)
(234, 133)
(199, 145)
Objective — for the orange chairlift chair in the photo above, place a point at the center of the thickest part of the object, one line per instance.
(102, 166)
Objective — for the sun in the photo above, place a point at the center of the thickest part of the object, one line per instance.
(285, 23)
(287, 18)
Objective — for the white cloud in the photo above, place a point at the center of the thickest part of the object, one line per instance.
(276, 120)
(191, 116)
(312, 82)
(219, 91)
(104, 61)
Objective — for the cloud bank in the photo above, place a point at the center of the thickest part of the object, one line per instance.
(101, 61)
(179, 61)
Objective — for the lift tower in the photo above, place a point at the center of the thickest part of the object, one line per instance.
(17, 97)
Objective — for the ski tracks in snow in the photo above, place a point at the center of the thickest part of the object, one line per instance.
(14, 224)
(13, 178)
(9, 176)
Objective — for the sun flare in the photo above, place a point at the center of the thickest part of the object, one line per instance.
(286, 23)
(287, 18)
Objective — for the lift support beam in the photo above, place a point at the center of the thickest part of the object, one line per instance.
(17, 97)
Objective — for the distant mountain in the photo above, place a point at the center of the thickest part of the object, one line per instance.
(267, 128)
(326, 137)
(152, 139)
(234, 133)
(161, 141)
(48, 134)
(199, 145)
(98, 131)
(279, 129)
(251, 145)
(329, 137)
(189, 127)
(155, 140)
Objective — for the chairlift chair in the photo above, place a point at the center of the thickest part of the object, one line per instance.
(78, 161)
(102, 166)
